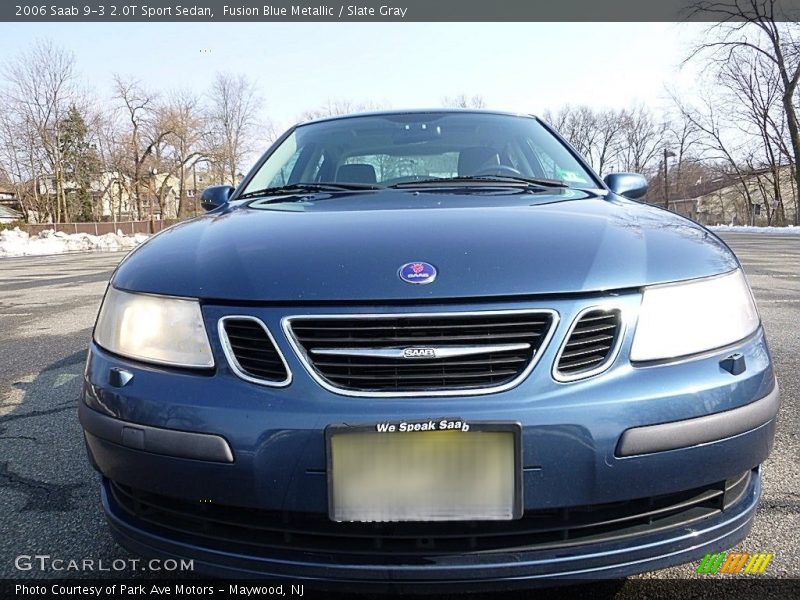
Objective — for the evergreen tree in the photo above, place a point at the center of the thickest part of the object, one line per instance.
(81, 164)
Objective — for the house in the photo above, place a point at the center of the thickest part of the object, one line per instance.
(113, 199)
(9, 206)
(750, 203)
(6, 195)
(684, 206)
(9, 215)
(112, 195)
(747, 199)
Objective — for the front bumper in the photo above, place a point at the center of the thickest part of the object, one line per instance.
(456, 571)
(647, 439)
(216, 439)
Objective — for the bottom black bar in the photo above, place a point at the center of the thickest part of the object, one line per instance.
(709, 586)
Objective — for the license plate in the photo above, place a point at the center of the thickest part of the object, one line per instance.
(424, 471)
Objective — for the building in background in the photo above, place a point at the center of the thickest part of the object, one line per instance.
(9, 215)
(112, 196)
(9, 206)
(761, 197)
(6, 195)
(758, 198)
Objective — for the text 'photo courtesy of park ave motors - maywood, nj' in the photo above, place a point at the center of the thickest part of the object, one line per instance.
(157, 590)
(307, 300)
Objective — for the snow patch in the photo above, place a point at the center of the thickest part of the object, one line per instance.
(15, 242)
(788, 230)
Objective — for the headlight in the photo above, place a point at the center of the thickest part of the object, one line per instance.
(687, 318)
(155, 329)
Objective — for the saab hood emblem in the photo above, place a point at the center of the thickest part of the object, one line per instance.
(419, 353)
(418, 272)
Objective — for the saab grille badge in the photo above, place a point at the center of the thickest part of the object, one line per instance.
(418, 272)
(419, 353)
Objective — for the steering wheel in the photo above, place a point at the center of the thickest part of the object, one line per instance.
(497, 170)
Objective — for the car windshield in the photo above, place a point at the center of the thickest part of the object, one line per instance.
(401, 149)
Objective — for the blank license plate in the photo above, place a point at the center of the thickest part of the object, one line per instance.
(438, 475)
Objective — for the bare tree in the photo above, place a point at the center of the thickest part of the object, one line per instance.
(758, 27)
(682, 138)
(753, 89)
(595, 134)
(717, 144)
(609, 125)
(113, 148)
(579, 125)
(145, 131)
(642, 138)
(333, 107)
(189, 132)
(14, 171)
(234, 104)
(462, 100)
(40, 87)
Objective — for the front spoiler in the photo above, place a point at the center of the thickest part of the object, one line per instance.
(502, 570)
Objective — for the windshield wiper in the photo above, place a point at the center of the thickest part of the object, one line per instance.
(308, 187)
(519, 179)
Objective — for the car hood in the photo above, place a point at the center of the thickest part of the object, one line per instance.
(350, 247)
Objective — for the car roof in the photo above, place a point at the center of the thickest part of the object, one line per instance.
(416, 111)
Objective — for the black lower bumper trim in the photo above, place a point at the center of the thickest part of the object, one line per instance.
(700, 430)
(169, 442)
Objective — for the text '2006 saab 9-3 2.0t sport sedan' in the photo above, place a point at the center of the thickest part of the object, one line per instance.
(432, 348)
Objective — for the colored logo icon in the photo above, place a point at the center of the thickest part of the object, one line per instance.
(418, 272)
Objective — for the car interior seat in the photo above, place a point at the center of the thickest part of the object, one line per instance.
(356, 173)
(474, 160)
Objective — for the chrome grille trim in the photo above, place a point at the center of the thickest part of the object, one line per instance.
(612, 355)
(286, 324)
(440, 352)
(233, 362)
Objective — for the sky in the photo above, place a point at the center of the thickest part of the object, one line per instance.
(519, 67)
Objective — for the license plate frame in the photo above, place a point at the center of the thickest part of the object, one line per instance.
(513, 428)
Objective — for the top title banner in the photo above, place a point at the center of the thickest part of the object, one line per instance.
(393, 10)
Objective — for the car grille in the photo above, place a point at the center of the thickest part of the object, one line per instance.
(474, 351)
(230, 527)
(590, 343)
(251, 351)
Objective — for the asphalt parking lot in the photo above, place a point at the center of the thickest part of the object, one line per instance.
(49, 494)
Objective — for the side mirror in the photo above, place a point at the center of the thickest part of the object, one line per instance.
(630, 185)
(215, 196)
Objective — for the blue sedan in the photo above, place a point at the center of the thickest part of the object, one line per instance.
(432, 349)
